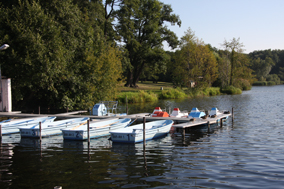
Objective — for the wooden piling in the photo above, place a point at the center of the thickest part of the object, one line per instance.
(38, 109)
(88, 128)
(144, 128)
(1, 131)
(40, 131)
(221, 122)
(126, 105)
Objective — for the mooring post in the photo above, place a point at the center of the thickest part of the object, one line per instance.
(144, 128)
(126, 105)
(88, 127)
(221, 122)
(232, 113)
(0, 131)
(38, 109)
(40, 131)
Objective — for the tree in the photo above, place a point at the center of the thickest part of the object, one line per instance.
(234, 48)
(58, 57)
(141, 27)
(262, 67)
(195, 62)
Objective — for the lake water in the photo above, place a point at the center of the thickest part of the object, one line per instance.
(245, 153)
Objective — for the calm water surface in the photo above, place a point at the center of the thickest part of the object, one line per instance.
(246, 153)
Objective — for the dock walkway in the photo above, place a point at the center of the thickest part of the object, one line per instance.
(180, 123)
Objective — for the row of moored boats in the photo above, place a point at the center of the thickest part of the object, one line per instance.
(119, 129)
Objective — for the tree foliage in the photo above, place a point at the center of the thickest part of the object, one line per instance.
(58, 56)
(142, 30)
(266, 63)
(194, 63)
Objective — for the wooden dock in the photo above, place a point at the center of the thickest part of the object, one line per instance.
(180, 123)
(208, 121)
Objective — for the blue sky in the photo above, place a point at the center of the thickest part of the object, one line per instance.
(258, 23)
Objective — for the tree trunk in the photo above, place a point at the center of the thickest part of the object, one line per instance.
(137, 73)
(232, 66)
(129, 80)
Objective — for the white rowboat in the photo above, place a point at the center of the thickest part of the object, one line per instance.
(97, 129)
(134, 134)
(12, 126)
(49, 129)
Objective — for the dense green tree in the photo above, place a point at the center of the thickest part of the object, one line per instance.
(141, 27)
(58, 55)
(267, 62)
(195, 62)
(262, 67)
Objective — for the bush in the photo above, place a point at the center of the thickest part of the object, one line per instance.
(271, 83)
(231, 90)
(211, 91)
(172, 94)
(242, 84)
(135, 97)
(259, 83)
(273, 77)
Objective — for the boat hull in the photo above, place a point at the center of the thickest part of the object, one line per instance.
(134, 134)
(50, 129)
(14, 125)
(96, 130)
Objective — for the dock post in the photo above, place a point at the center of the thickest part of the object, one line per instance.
(0, 131)
(144, 146)
(221, 122)
(88, 127)
(38, 109)
(144, 128)
(126, 105)
(40, 131)
(208, 125)
(232, 113)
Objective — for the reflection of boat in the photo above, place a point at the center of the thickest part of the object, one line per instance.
(52, 128)
(177, 113)
(12, 126)
(123, 148)
(133, 134)
(97, 129)
(43, 144)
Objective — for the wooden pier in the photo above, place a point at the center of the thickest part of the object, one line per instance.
(180, 123)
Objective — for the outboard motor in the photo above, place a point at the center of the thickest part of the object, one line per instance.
(99, 109)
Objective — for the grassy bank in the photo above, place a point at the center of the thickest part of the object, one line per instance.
(150, 92)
